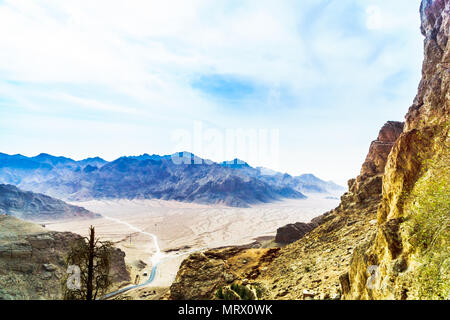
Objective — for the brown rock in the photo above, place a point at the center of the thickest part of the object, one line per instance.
(380, 148)
(199, 277)
(293, 232)
(44, 253)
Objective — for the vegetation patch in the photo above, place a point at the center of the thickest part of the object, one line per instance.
(428, 227)
(240, 292)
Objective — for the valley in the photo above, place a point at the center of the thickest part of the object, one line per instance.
(183, 228)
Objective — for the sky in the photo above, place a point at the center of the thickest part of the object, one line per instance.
(295, 86)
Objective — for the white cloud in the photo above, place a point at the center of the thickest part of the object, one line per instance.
(147, 53)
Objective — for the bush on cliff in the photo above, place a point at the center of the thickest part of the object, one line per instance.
(429, 228)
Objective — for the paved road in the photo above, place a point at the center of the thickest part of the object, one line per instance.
(156, 259)
(146, 283)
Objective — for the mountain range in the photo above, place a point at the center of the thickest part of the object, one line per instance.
(181, 176)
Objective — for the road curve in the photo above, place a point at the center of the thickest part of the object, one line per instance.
(156, 259)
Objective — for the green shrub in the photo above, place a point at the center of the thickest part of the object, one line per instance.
(429, 228)
(219, 294)
(244, 292)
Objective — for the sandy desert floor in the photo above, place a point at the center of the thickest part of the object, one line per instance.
(152, 231)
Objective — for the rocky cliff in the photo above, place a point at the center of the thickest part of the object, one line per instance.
(204, 274)
(293, 232)
(32, 261)
(407, 258)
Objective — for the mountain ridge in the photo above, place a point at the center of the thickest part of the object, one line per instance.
(34, 206)
(181, 176)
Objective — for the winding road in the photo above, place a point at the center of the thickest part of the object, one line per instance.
(156, 259)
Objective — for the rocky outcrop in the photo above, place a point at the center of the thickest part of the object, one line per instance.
(427, 120)
(200, 276)
(366, 248)
(368, 185)
(35, 206)
(293, 232)
(424, 139)
(214, 273)
(380, 149)
(32, 261)
(369, 235)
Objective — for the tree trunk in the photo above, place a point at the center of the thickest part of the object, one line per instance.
(90, 278)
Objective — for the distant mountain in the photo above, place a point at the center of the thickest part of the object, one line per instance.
(310, 183)
(235, 164)
(33, 206)
(95, 162)
(181, 176)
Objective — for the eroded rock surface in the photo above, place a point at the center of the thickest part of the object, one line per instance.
(32, 261)
(202, 274)
(380, 148)
(364, 189)
(293, 232)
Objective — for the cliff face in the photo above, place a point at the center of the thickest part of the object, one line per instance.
(426, 126)
(201, 275)
(31, 260)
(380, 149)
(389, 265)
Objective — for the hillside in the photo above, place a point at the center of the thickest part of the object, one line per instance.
(181, 177)
(32, 261)
(34, 206)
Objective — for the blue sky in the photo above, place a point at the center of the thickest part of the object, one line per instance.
(111, 78)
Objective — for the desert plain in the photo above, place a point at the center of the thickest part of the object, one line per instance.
(164, 232)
